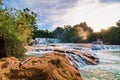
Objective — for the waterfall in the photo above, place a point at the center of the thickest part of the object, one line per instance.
(108, 55)
(106, 47)
(76, 60)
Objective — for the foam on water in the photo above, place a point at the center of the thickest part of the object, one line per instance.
(107, 69)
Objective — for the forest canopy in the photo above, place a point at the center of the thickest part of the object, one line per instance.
(82, 33)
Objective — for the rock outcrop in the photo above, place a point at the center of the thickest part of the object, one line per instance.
(52, 66)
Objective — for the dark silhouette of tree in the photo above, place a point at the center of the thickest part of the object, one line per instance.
(118, 23)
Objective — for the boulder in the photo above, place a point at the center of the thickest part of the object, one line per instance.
(52, 66)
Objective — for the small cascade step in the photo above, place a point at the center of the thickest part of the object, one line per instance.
(105, 47)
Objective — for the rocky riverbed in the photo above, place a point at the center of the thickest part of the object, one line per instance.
(63, 62)
(94, 62)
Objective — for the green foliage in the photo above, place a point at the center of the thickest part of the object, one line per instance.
(67, 34)
(16, 30)
(76, 34)
(109, 36)
(0, 1)
(25, 23)
(112, 35)
(14, 48)
(43, 34)
(7, 26)
(82, 33)
(58, 33)
(118, 23)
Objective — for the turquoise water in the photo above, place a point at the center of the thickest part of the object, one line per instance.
(108, 70)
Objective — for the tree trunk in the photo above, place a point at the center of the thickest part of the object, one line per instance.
(3, 53)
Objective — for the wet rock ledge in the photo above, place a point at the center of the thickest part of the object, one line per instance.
(52, 66)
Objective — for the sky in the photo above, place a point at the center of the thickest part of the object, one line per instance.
(98, 14)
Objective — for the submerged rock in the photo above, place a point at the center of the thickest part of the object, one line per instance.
(52, 66)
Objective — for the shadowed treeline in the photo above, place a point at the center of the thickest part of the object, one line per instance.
(82, 33)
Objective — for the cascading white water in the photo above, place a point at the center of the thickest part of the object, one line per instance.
(108, 67)
(76, 60)
(106, 47)
(109, 60)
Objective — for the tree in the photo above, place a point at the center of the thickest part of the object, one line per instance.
(16, 27)
(82, 31)
(73, 34)
(67, 34)
(26, 24)
(118, 23)
(0, 2)
(7, 32)
(113, 35)
(58, 33)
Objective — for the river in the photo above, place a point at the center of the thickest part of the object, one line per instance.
(107, 69)
(109, 60)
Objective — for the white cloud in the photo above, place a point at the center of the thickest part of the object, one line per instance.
(97, 14)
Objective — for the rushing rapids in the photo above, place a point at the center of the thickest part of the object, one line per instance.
(91, 60)
(77, 55)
